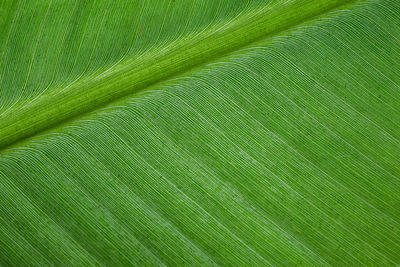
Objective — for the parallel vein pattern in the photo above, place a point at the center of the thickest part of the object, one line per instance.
(284, 152)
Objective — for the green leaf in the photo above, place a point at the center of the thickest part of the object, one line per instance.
(203, 132)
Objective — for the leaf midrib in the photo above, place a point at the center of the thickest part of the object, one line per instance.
(129, 77)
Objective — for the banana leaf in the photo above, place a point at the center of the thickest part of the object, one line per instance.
(201, 132)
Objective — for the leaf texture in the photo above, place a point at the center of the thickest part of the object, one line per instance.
(245, 133)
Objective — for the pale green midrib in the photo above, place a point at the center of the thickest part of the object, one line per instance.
(87, 95)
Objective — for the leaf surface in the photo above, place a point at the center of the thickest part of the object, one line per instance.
(199, 132)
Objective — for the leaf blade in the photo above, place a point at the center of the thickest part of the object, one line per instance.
(275, 154)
